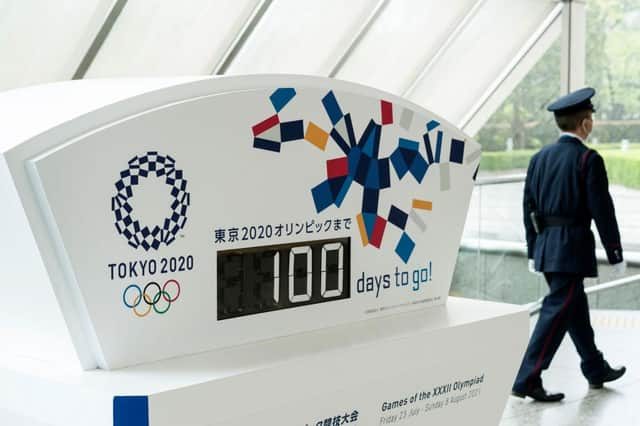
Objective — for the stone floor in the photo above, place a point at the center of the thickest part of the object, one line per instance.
(618, 336)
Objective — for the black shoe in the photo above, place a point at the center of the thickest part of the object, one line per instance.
(539, 394)
(610, 375)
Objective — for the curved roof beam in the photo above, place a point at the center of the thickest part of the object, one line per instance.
(450, 39)
(242, 37)
(99, 39)
(375, 13)
(514, 72)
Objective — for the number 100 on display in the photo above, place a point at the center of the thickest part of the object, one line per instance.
(263, 279)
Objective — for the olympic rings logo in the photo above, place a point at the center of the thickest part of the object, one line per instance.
(156, 298)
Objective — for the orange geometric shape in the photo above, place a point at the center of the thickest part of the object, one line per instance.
(422, 204)
(316, 136)
(363, 230)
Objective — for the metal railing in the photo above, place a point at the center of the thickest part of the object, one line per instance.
(534, 308)
(498, 180)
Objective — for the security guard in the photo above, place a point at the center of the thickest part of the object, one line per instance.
(566, 187)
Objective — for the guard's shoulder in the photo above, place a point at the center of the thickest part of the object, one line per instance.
(594, 152)
(546, 150)
(534, 158)
(590, 152)
(593, 156)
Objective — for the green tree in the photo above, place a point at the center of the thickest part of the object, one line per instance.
(612, 67)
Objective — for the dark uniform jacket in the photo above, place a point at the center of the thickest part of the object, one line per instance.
(568, 189)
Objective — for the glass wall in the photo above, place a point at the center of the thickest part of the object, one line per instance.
(492, 261)
(522, 124)
(613, 68)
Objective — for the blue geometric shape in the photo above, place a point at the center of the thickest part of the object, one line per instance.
(130, 411)
(399, 164)
(363, 169)
(370, 200)
(409, 144)
(408, 155)
(383, 170)
(291, 131)
(336, 185)
(427, 144)
(267, 145)
(366, 142)
(438, 146)
(337, 137)
(369, 222)
(322, 196)
(457, 151)
(373, 176)
(432, 125)
(370, 140)
(398, 217)
(354, 159)
(419, 168)
(343, 192)
(405, 247)
(281, 97)
(332, 107)
(351, 133)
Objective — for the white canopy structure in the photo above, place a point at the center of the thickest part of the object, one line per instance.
(423, 50)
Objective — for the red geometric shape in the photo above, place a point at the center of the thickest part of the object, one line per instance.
(265, 125)
(387, 112)
(337, 167)
(378, 232)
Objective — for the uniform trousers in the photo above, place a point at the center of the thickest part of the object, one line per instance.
(564, 309)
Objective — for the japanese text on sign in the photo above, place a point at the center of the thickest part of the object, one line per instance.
(279, 230)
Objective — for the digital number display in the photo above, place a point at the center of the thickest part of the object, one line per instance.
(270, 278)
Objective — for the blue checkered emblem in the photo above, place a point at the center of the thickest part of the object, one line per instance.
(144, 166)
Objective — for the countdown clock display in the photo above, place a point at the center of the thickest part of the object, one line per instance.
(256, 281)
(207, 213)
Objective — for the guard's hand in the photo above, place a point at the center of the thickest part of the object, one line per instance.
(532, 267)
(620, 268)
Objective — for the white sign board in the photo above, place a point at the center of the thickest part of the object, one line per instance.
(226, 211)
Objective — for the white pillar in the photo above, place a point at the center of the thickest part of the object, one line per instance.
(574, 33)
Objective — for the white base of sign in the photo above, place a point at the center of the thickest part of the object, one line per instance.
(447, 365)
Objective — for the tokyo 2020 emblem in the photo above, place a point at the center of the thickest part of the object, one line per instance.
(151, 164)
